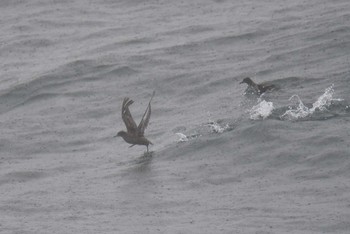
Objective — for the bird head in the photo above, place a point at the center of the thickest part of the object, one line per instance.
(120, 134)
(247, 80)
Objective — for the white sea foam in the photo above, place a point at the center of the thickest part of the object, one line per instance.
(182, 137)
(185, 138)
(301, 111)
(217, 128)
(214, 126)
(262, 110)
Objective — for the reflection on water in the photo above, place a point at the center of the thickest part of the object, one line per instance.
(142, 163)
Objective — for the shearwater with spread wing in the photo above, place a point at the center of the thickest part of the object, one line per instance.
(135, 134)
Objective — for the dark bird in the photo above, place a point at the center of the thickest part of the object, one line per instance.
(258, 88)
(135, 134)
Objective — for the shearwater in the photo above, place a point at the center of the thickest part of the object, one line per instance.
(135, 134)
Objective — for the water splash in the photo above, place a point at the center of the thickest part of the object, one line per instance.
(182, 137)
(262, 110)
(301, 111)
(216, 128)
(185, 138)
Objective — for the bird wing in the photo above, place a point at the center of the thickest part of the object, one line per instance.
(145, 118)
(265, 87)
(126, 116)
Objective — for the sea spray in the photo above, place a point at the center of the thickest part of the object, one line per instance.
(325, 100)
(184, 138)
(301, 111)
(216, 128)
(262, 110)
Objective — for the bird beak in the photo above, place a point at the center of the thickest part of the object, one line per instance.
(241, 82)
(116, 135)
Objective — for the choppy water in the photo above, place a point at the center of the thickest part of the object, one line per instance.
(223, 161)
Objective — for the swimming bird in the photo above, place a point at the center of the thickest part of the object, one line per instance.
(258, 88)
(135, 134)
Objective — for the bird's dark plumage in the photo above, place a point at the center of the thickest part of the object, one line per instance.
(135, 134)
(258, 88)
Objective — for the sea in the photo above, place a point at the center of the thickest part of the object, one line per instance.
(223, 159)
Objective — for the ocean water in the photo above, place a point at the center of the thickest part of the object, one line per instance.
(224, 160)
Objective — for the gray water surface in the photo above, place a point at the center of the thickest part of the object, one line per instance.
(67, 65)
